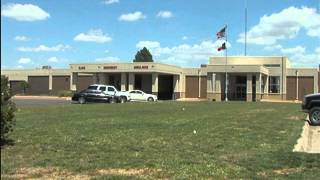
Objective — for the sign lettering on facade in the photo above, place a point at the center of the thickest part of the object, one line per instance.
(82, 67)
(140, 67)
(110, 67)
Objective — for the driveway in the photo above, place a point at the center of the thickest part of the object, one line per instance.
(39, 100)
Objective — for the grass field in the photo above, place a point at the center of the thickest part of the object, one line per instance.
(156, 140)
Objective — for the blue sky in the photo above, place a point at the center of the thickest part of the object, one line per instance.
(57, 33)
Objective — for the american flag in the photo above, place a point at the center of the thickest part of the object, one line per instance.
(221, 33)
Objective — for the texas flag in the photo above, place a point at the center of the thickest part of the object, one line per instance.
(222, 47)
(221, 33)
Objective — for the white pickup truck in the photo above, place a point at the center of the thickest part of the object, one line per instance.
(111, 90)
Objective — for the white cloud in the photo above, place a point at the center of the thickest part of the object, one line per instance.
(19, 67)
(165, 14)
(184, 54)
(302, 59)
(59, 47)
(305, 59)
(22, 38)
(284, 25)
(93, 35)
(148, 44)
(110, 1)
(298, 55)
(317, 50)
(273, 47)
(185, 38)
(53, 60)
(132, 16)
(294, 50)
(24, 61)
(108, 59)
(24, 12)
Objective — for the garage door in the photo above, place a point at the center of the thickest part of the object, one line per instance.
(60, 83)
(305, 86)
(83, 82)
(291, 87)
(39, 85)
(192, 86)
(15, 87)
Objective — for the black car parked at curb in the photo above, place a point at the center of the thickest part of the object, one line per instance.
(311, 105)
(89, 95)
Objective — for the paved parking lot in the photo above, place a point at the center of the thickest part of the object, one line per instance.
(39, 100)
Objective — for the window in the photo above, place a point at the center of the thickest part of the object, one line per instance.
(274, 84)
(93, 87)
(241, 79)
(110, 89)
(102, 88)
(271, 65)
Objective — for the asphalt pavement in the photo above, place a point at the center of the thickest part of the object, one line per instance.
(39, 101)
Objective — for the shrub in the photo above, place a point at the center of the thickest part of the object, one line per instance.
(65, 93)
(24, 86)
(7, 110)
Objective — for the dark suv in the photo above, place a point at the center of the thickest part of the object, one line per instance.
(311, 105)
(89, 95)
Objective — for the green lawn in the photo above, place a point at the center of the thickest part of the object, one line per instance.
(156, 140)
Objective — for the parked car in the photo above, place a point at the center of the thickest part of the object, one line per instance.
(111, 90)
(138, 95)
(90, 95)
(311, 105)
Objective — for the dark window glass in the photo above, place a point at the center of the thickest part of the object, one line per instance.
(241, 79)
(271, 65)
(274, 84)
(93, 87)
(110, 89)
(102, 88)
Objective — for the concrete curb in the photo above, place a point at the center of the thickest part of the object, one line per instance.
(41, 97)
(281, 101)
(309, 142)
(191, 99)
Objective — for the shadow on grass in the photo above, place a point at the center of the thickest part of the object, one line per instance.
(6, 142)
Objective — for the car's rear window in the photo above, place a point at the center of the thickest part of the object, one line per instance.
(93, 87)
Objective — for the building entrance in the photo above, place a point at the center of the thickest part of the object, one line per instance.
(241, 88)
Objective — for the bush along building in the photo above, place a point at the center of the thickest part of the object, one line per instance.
(248, 79)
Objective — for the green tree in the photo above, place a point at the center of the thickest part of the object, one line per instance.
(24, 85)
(143, 55)
(7, 110)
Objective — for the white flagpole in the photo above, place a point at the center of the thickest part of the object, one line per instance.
(226, 83)
(245, 29)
